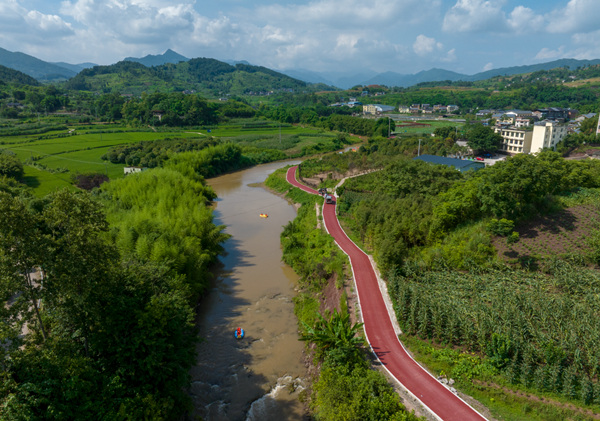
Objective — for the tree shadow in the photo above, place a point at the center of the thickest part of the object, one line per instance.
(530, 263)
(31, 181)
(551, 224)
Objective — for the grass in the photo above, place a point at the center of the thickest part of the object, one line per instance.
(73, 154)
(432, 125)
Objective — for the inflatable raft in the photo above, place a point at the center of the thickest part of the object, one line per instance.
(264, 215)
(238, 333)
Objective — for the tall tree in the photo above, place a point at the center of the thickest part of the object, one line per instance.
(483, 139)
(22, 247)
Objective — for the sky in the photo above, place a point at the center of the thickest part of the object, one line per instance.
(343, 36)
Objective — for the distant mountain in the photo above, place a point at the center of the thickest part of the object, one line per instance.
(432, 75)
(8, 75)
(234, 62)
(509, 71)
(34, 67)
(75, 67)
(396, 79)
(150, 60)
(307, 76)
(200, 74)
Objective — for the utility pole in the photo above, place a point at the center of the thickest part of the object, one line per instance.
(419, 150)
(598, 126)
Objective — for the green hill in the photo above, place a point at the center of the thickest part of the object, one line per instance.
(205, 75)
(8, 75)
(34, 67)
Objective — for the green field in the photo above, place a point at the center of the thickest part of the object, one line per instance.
(404, 127)
(52, 158)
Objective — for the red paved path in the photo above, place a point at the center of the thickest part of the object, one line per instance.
(380, 332)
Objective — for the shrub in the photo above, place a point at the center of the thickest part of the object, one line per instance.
(502, 227)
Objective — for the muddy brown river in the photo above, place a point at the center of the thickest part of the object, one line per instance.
(258, 377)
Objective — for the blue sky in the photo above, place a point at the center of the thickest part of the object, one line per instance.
(345, 36)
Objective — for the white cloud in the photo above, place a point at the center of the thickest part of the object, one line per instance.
(30, 29)
(133, 21)
(548, 54)
(576, 16)
(475, 16)
(488, 66)
(450, 56)
(349, 13)
(587, 46)
(523, 19)
(424, 45)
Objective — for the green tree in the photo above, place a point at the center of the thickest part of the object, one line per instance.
(10, 166)
(22, 249)
(483, 139)
(589, 125)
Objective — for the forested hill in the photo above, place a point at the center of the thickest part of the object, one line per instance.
(200, 74)
(8, 75)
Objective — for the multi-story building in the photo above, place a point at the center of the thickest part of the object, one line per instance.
(515, 140)
(547, 134)
(522, 122)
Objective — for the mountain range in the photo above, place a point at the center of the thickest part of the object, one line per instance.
(433, 75)
(46, 71)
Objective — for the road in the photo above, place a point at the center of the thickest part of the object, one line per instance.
(380, 333)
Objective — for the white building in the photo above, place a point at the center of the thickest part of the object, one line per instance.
(547, 134)
(522, 122)
(515, 140)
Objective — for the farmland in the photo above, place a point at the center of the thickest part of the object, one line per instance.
(53, 157)
(426, 127)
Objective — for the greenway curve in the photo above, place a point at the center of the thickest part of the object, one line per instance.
(380, 333)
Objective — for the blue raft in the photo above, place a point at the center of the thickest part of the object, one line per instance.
(238, 333)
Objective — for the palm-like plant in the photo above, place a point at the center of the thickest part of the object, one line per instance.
(337, 338)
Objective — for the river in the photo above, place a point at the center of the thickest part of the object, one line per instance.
(258, 377)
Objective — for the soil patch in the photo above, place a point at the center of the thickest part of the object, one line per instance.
(558, 234)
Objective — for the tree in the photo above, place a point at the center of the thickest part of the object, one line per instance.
(10, 166)
(22, 247)
(483, 139)
(77, 261)
(589, 125)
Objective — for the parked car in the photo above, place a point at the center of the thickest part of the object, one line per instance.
(479, 158)
(329, 199)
